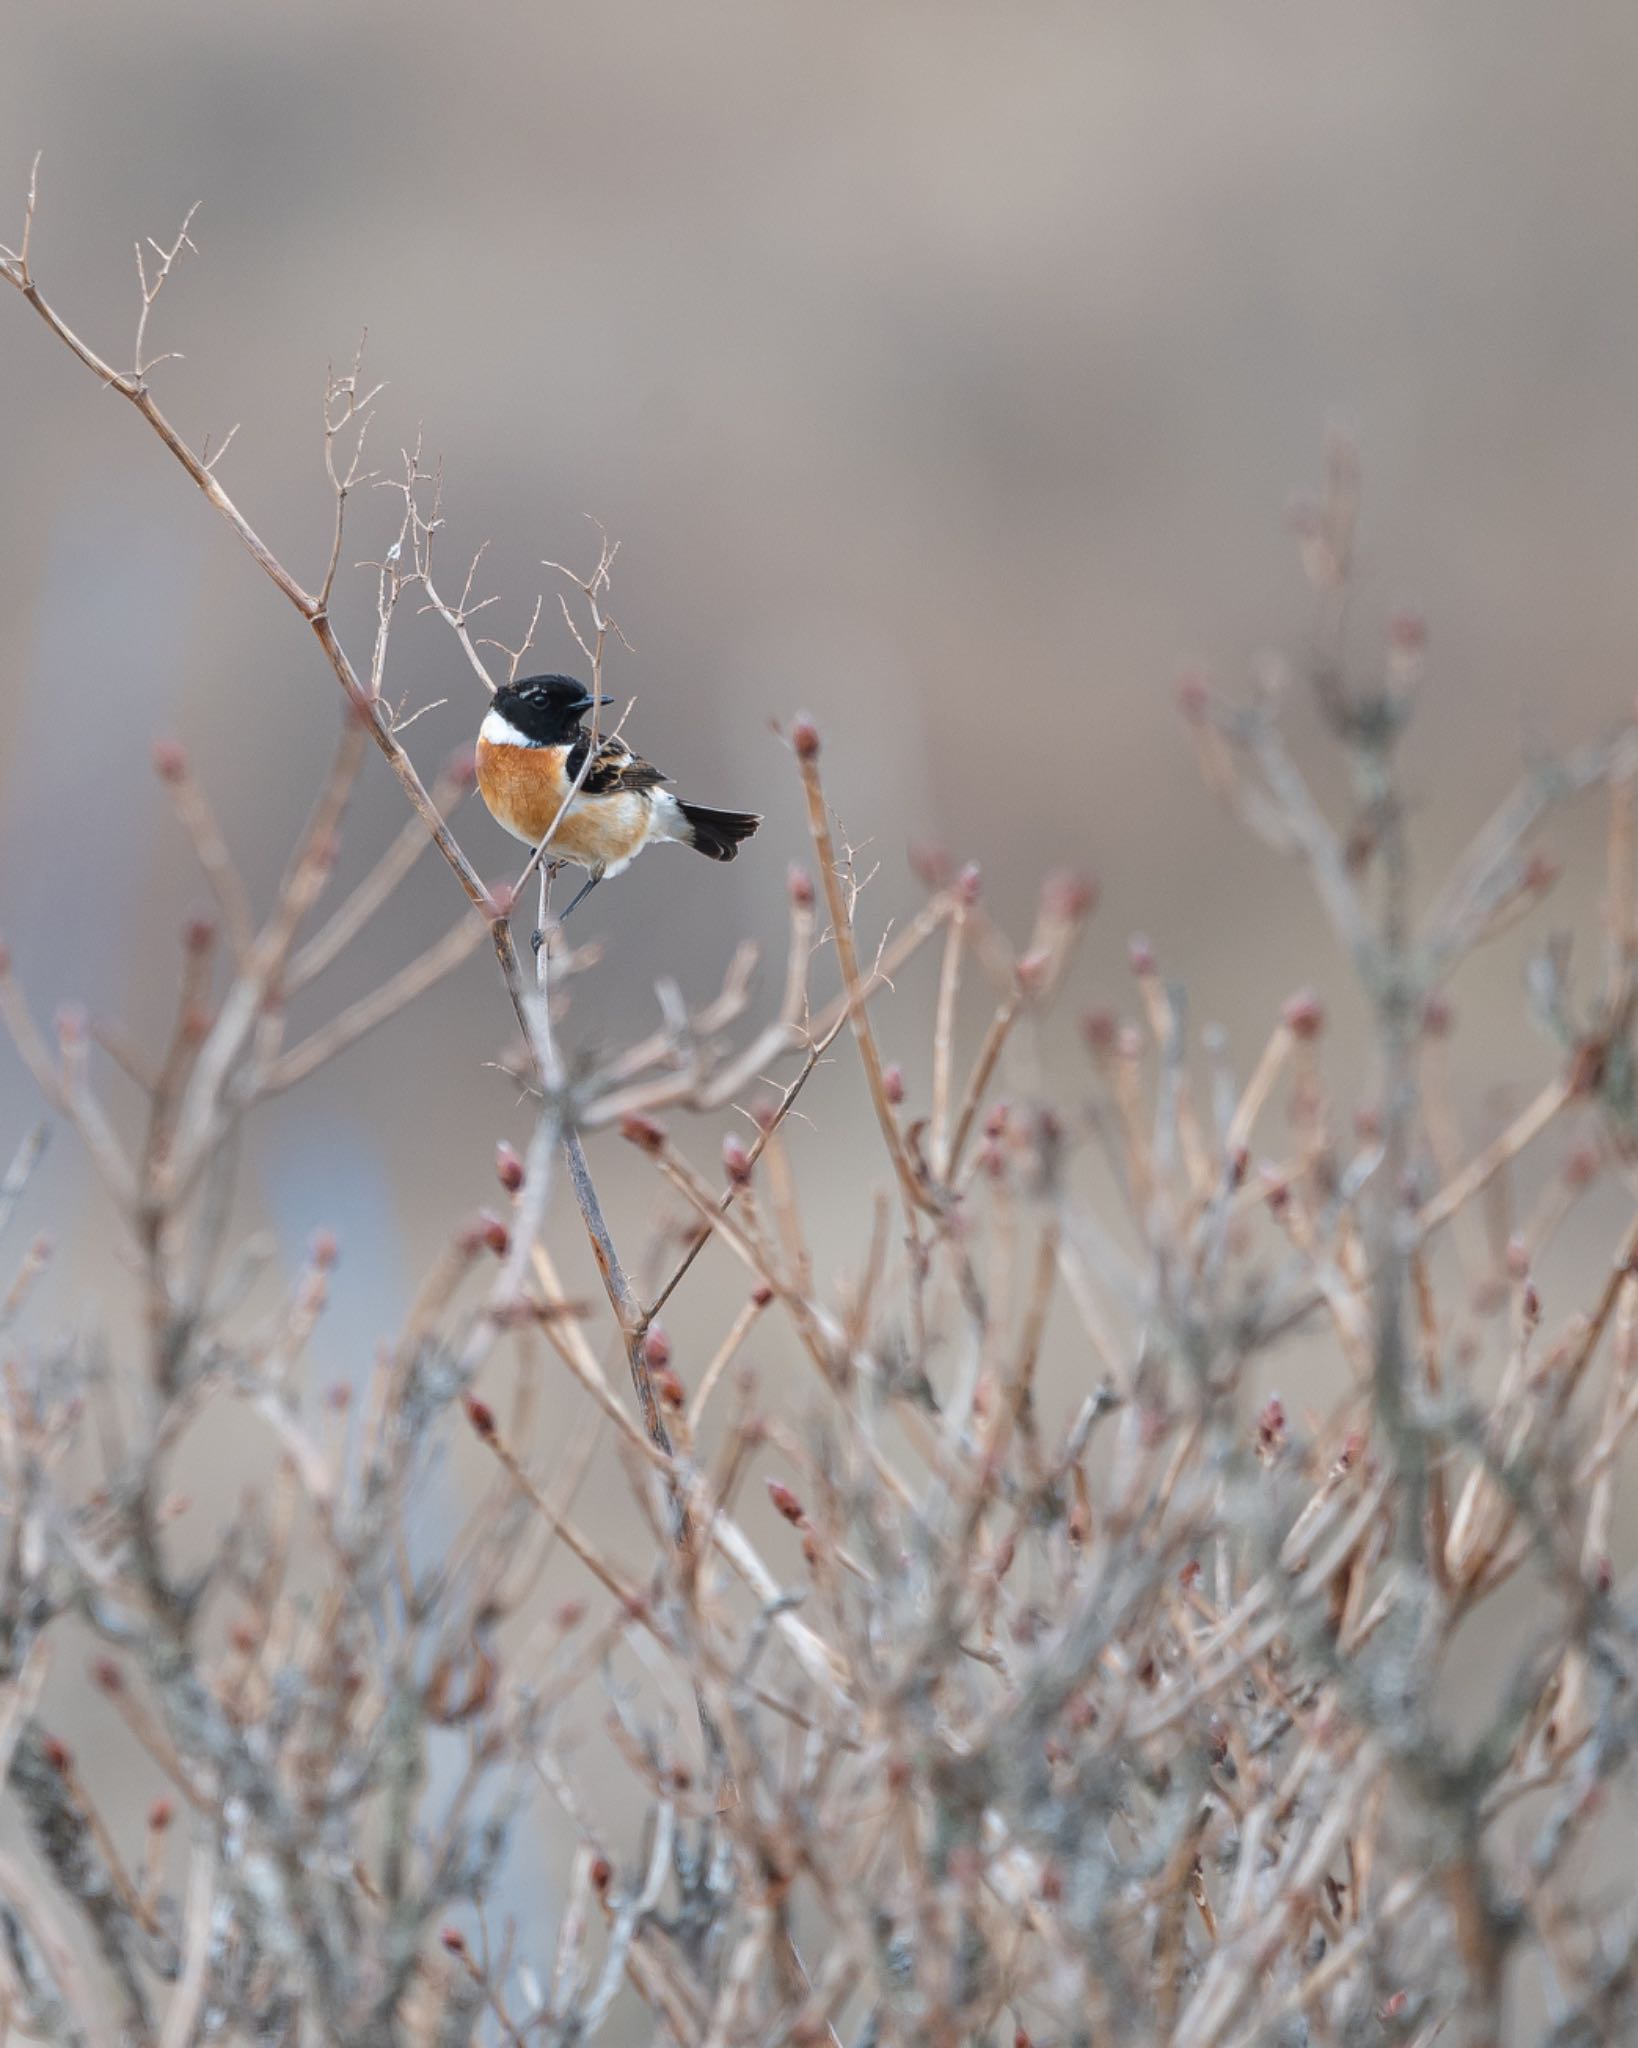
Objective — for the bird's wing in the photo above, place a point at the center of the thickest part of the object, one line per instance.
(615, 768)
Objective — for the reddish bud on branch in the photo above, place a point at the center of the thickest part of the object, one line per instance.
(481, 1416)
(1068, 895)
(1032, 972)
(1098, 1028)
(508, 1167)
(1304, 1015)
(1587, 1067)
(930, 863)
(785, 1501)
(1193, 696)
(1437, 1017)
(1541, 871)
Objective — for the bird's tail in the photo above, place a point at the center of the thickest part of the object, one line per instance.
(716, 834)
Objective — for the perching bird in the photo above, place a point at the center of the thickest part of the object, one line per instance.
(531, 748)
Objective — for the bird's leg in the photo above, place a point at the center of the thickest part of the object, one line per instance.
(548, 874)
(583, 892)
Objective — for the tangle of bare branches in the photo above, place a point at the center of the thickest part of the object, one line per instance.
(961, 1702)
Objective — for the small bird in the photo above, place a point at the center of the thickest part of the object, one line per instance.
(531, 749)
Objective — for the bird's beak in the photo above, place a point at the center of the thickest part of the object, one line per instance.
(605, 700)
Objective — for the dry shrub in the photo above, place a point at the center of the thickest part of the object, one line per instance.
(1114, 1721)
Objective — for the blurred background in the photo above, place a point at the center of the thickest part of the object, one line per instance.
(945, 369)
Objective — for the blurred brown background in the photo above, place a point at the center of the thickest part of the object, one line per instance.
(942, 368)
(945, 369)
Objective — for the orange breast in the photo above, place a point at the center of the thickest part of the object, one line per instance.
(524, 788)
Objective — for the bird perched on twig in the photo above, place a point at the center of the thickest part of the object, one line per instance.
(532, 749)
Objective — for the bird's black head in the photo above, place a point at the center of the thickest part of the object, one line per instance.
(545, 709)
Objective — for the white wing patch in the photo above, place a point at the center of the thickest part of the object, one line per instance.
(668, 820)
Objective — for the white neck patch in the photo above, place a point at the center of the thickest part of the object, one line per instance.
(501, 732)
